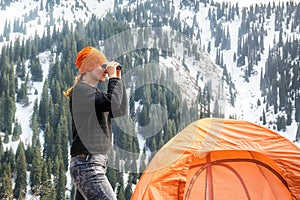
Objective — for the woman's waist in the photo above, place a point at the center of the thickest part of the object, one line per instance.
(88, 158)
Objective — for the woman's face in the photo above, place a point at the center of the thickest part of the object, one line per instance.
(99, 73)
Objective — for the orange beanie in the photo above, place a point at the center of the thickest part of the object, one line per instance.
(88, 59)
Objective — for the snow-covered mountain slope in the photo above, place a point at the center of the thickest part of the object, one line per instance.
(247, 93)
(35, 16)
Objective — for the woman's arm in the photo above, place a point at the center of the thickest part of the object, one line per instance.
(122, 109)
(115, 100)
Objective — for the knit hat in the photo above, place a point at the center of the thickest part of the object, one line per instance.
(88, 59)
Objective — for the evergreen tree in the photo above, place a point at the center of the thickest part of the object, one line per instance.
(9, 158)
(44, 106)
(144, 116)
(7, 94)
(128, 189)
(111, 171)
(296, 77)
(6, 191)
(48, 145)
(1, 151)
(264, 118)
(36, 69)
(120, 190)
(62, 133)
(34, 123)
(36, 169)
(216, 111)
(297, 139)
(117, 164)
(47, 190)
(17, 131)
(7, 29)
(142, 163)
(9, 112)
(55, 168)
(61, 182)
(20, 186)
(45, 174)
(269, 10)
(258, 102)
(16, 49)
(168, 131)
(29, 154)
(49, 166)
(42, 5)
(22, 94)
(297, 110)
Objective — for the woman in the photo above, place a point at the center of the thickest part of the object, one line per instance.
(91, 112)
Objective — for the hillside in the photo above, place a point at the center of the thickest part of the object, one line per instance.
(183, 60)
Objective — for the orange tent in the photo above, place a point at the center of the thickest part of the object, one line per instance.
(223, 159)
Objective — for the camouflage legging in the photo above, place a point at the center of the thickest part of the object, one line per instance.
(88, 175)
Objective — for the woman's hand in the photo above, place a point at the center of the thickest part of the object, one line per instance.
(112, 71)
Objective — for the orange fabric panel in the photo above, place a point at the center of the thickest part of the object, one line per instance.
(230, 139)
(235, 180)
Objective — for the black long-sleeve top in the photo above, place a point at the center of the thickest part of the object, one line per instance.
(91, 112)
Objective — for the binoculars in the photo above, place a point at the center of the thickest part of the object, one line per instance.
(119, 67)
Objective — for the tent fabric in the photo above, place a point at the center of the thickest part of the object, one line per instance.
(222, 159)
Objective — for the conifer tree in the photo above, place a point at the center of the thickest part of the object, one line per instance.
(297, 110)
(47, 190)
(131, 102)
(142, 163)
(45, 174)
(22, 94)
(61, 181)
(144, 116)
(134, 170)
(36, 69)
(6, 191)
(42, 5)
(128, 189)
(120, 190)
(160, 140)
(17, 131)
(111, 170)
(1, 151)
(9, 159)
(44, 106)
(49, 141)
(62, 132)
(20, 186)
(264, 118)
(168, 130)
(7, 94)
(7, 29)
(297, 139)
(49, 166)
(152, 144)
(55, 168)
(35, 124)
(16, 50)
(9, 113)
(296, 76)
(29, 154)
(36, 169)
